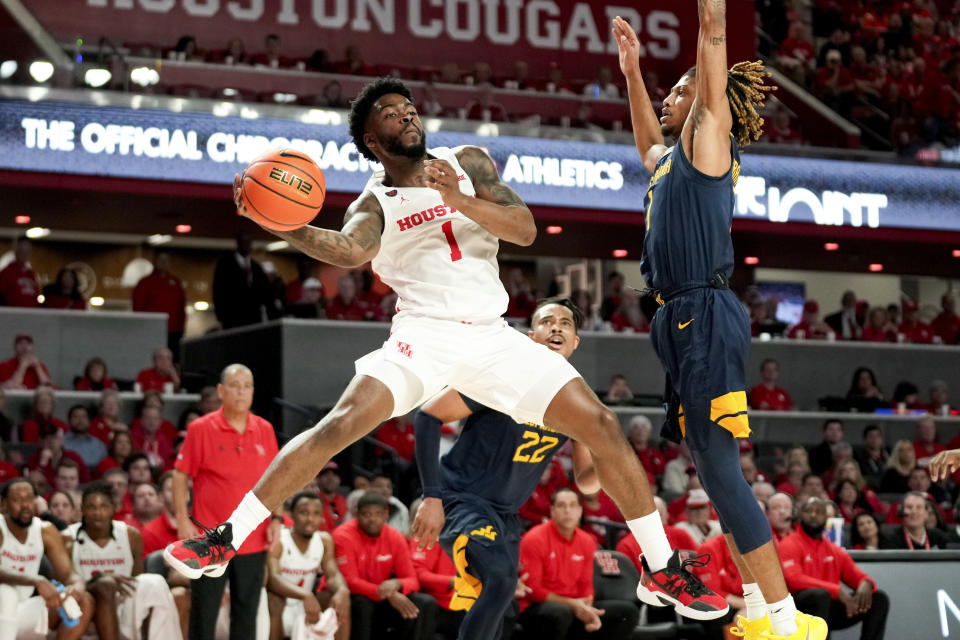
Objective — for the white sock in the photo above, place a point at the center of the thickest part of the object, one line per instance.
(246, 517)
(783, 616)
(648, 530)
(753, 597)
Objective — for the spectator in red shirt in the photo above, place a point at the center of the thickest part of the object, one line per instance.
(611, 300)
(162, 292)
(67, 478)
(118, 450)
(95, 377)
(19, 284)
(629, 317)
(723, 577)
(912, 328)
(154, 400)
(225, 453)
(271, 56)
(825, 581)
(353, 63)
(42, 419)
(834, 84)
(638, 433)
(24, 370)
(811, 327)
(536, 509)
(162, 530)
(8, 470)
(793, 478)
(162, 374)
(556, 84)
(947, 323)
(485, 108)
(436, 573)
(64, 292)
(558, 558)
(878, 327)
(867, 497)
(925, 444)
(120, 492)
(865, 532)
(796, 56)
(599, 506)
(107, 422)
(522, 302)
(146, 505)
(334, 503)
(767, 396)
(699, 523)
(397, 433)
(346, 305)
(375, 561)
(138, 469)
(150, 440)
(780, 515)
(780, 131)
(939, 400)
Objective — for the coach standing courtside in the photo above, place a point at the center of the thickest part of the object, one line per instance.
(225, 452)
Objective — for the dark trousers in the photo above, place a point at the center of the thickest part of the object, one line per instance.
(245, 574)
(368, 617)
(554, 621)
(817, 602)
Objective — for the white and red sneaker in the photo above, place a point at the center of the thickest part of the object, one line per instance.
(675, 586)
(206, 554)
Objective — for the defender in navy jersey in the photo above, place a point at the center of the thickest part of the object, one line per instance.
(701, 332)
(490, 471)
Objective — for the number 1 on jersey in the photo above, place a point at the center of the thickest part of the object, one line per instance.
(447, 228)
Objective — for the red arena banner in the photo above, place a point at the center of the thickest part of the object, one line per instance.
(413, 33)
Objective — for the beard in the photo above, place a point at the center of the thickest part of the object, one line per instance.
(413, 151)
(23, 518)
(668, 132)
(814, 532)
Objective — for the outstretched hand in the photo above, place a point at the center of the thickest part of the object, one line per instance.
(237, 197)
(628, 45)
(943, 464)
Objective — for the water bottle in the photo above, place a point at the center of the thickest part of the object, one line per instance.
(69, 610)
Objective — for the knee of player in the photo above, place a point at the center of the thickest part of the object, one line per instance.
(87, 604)
(501, 586)
(104, 589)
(9, 599)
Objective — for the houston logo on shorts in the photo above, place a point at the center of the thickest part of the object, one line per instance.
(405, 349)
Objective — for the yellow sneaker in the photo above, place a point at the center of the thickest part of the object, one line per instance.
(808, 628)
(751, 629)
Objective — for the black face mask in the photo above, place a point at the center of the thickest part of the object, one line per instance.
(814, 532)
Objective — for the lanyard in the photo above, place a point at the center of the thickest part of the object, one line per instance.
(926, 540)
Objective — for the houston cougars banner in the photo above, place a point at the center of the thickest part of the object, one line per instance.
(413, 33)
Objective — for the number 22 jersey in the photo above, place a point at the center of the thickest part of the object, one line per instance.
(441, 263)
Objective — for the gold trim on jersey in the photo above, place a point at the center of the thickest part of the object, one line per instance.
(466, 587)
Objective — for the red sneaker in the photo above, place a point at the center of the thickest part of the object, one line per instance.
(675, 586)
(206, 554)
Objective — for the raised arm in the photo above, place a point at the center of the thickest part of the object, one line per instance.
(355, 244)
(646, 127)
(706, 134)
(497, 208)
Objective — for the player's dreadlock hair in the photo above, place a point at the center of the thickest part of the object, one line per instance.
(745, 92)
(361, 105)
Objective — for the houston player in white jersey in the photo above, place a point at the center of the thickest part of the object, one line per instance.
(304, 553)
(108, 555)
(431, 222)
(24, 540)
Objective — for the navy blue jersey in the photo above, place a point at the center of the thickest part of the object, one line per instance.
(688, 222)
(497, 459)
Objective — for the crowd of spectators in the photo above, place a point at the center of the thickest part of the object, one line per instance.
(893, 66)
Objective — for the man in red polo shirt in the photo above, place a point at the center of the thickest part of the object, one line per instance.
(558, 558)
(24, 370)
(19, 285)
(398, 435)
(767, 396)
(162, 373)
(825, 581)
(162, 292)
(912, 328)
(375, 561)
(225, 452)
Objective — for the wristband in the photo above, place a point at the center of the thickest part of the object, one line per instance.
(277, 518)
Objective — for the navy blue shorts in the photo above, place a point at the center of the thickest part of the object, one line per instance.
(474, 530)
(702, 337)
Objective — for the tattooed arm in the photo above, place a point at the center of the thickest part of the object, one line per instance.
(706, 132)
(357, 243)
(497, 208)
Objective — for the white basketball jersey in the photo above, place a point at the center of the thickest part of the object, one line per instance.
(22, 557)
(89, 558)
(441, 263)
(299, 568)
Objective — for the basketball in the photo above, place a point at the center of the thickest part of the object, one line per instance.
(283, 189)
